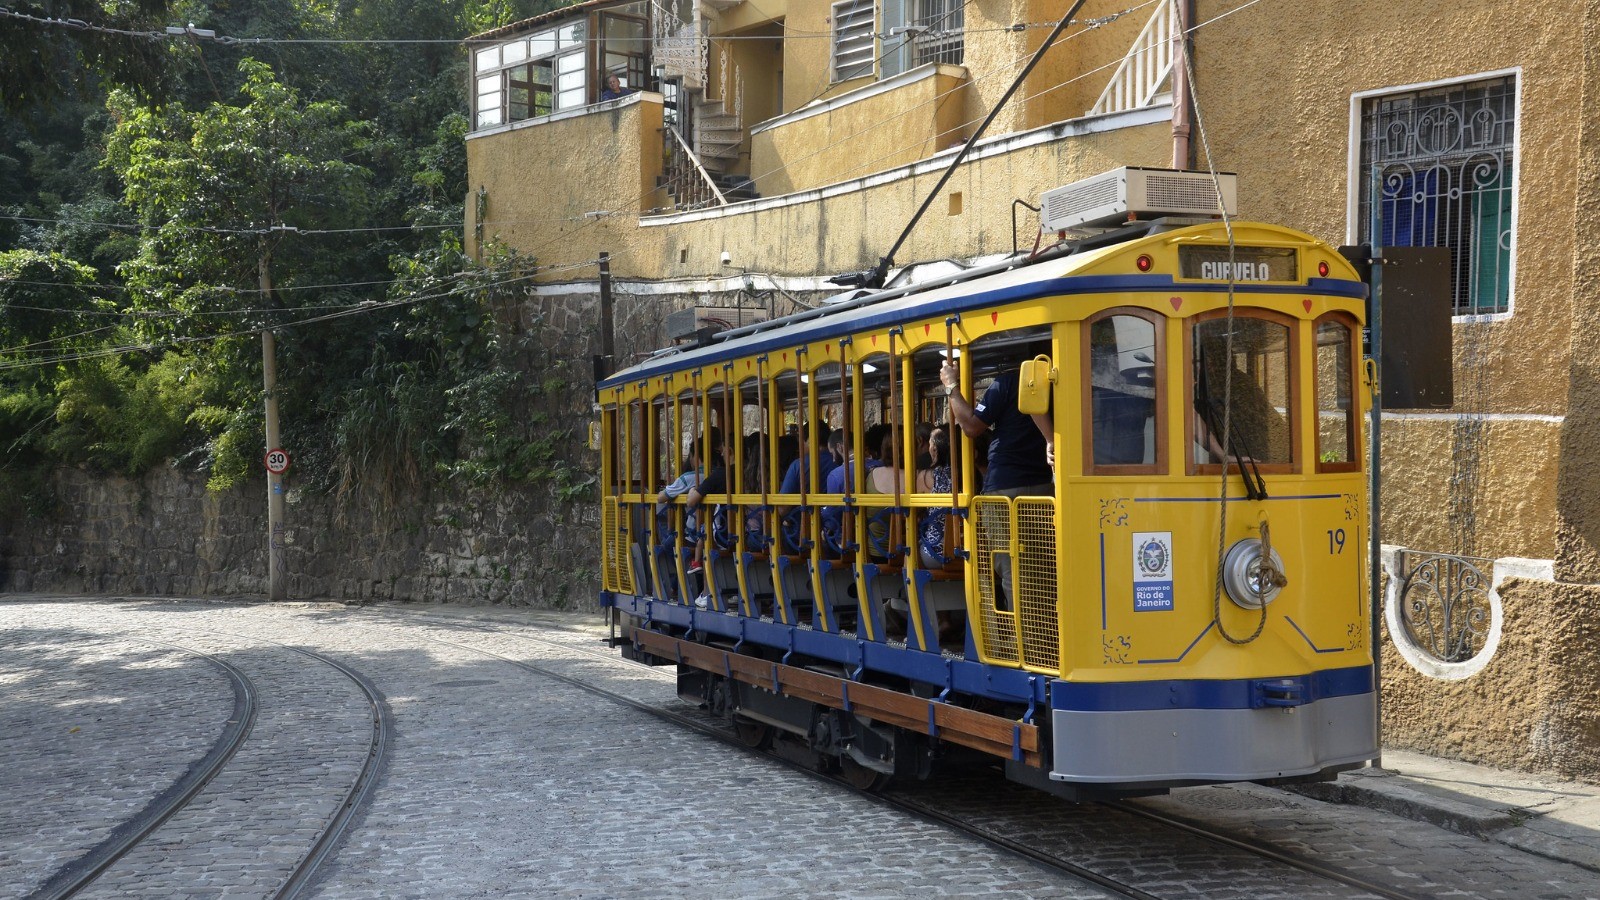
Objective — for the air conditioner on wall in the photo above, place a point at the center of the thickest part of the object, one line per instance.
(1133, 192)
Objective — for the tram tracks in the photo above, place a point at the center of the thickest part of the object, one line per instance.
(80, 874)
(910, 805)
(76, 875)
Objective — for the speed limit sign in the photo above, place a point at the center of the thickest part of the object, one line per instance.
(277, 461)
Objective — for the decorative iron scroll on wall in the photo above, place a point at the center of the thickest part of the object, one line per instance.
(1443, 613)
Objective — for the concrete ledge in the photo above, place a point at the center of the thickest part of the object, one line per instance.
(1557, 820)
(1384, 790)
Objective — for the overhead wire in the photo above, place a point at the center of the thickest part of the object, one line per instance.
(876, 124)
(1227, 382)
(591, 220)
(214, 229)
(362, 307)
(197, 34)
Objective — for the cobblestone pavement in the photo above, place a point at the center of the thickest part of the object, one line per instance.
(500, 781)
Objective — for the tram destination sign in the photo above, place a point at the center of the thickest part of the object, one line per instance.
(1212, 263)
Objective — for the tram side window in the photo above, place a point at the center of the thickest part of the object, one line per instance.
(1123, 381)
(1335, 396)
(1258, 389)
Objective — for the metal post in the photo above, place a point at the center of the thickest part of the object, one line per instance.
(277, 562)
(607, 349)
(1182, 64)
(1374, 469)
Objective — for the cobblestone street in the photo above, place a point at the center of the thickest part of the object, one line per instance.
(497, 780)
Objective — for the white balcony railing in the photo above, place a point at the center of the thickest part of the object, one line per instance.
(1138, 80)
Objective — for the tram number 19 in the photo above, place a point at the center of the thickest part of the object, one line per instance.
(1335, 541)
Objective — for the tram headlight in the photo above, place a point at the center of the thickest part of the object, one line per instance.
(1251, 580)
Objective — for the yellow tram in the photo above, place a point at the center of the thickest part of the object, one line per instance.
(1182, 603)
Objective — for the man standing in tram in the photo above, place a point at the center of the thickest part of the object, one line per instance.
(1021, 452)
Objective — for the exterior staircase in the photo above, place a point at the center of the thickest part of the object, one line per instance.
(717, 139)
(702, 153)
(718, 134)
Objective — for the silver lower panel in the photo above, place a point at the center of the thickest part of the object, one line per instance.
(1180, 745)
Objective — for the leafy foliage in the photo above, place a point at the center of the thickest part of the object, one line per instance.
(151, 223)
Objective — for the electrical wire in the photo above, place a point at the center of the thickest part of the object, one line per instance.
(197, 34)
(340, 312)
(877, 124)
(1227, 382)
(212, 229)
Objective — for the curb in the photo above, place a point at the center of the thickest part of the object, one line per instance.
(1387, 793)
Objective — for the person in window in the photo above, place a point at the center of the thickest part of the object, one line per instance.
(614, 89)
(1021, 453)
(1123, 406)
(715, 483)
(690, 477)
(833, 516)
(934, 479)
(882, 479)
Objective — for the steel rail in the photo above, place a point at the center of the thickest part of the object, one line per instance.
(1259, 848)
(1255, 848)
(360, 790)
(79, 873)
(1029, 854)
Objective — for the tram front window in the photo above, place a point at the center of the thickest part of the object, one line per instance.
(1122, 391)
(1335, 395)
(1255, 395)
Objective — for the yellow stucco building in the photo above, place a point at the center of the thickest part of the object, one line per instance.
(759, 146)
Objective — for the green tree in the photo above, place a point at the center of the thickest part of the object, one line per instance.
(223, 192)
(225, 195)
(41, 61)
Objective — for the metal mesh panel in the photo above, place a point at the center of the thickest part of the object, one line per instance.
(997, 627)
(1036, 583)
(624, 552)
(608, 543)
(616, 566)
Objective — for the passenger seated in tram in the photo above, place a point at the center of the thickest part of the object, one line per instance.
(935, 478)
(882, 479)
(794, 482)
(833, 516)
(691, 476)
(924, 432)
(755, 476)
(715, 482)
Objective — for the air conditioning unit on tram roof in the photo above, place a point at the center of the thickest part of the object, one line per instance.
(688, 323)
(1132, 193)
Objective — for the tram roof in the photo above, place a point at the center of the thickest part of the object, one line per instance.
(1051, 277)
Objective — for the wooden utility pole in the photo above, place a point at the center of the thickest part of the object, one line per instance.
(607, 329)
(277, 533)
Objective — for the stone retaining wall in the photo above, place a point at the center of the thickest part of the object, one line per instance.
(165, 534)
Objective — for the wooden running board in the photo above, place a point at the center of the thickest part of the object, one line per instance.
(995, 735)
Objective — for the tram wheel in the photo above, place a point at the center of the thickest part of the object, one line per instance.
(860, 777)
(756, 735)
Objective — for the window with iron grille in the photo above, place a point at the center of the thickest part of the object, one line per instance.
(1439, 163)
(939, 37)
(853, 39)
(918, 32)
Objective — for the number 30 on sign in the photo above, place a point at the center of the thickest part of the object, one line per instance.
(277, 461)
